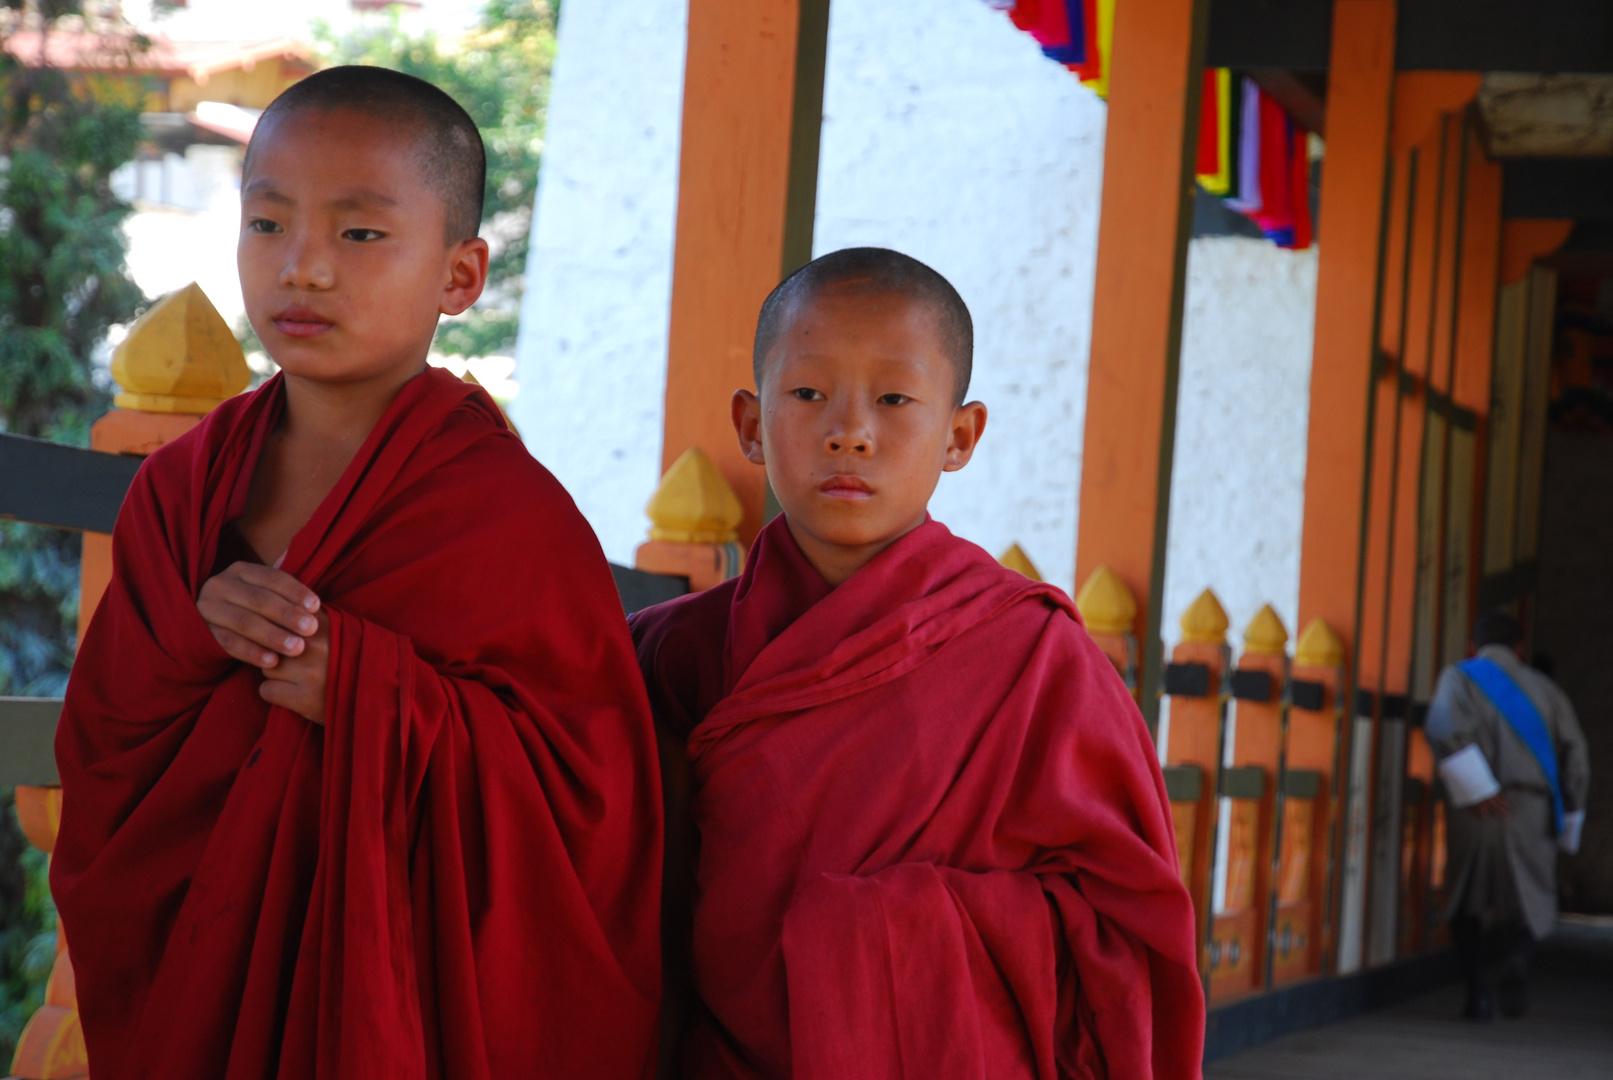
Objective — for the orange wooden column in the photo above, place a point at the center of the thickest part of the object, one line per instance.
(1350, 226)
(1143, 229)
(745, 194)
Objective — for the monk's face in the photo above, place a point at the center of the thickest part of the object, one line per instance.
(343, 260)
(856, 419)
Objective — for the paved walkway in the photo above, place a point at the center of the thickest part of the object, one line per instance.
(1567, 1034)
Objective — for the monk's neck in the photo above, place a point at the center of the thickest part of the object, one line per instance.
(838, 562)
(339, 416)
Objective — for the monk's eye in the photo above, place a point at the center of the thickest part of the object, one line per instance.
(894, 399)
(363, 235)
(262, 225)
(806, 393)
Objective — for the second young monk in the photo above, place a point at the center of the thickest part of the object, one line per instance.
(933, 838)
(360, 780)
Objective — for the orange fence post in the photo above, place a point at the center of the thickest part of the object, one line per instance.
(1110, 613)
(694, 522)
(1305, 919)
(179, 361)
(1250, 785)
(1143, 230)
(1195, 681)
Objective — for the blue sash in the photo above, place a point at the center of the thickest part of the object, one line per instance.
(1522, 716)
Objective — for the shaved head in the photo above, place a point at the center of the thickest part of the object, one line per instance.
(453, 161)
(877, 270)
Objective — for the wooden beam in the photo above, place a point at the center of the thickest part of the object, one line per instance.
(1143, 229)
(740, 135)
(1352, 218)
(1524, 240)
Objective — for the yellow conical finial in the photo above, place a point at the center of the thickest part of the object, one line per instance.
(1319, 646)
(1266, 634)
(1105, 604)
(179, 357)
(694, 504)
(474, 381)
(1205, 620)
(1016, 559)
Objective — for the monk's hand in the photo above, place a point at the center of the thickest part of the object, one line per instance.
(259, 615)
(1496, 806)
(298, 682)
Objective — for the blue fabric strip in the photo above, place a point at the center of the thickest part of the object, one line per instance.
(1522, 716)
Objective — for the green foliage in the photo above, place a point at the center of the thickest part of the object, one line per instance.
(500, 74)
(62, 285)
(27, 929)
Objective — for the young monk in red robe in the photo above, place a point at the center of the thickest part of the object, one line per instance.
(932, 835)
(359, 780)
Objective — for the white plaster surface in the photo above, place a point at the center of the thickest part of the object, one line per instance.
(947, 135)
(1238, 480)
(592, 350)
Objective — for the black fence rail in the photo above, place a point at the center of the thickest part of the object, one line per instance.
(65, 487)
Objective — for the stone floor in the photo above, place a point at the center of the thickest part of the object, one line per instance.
(1567, 1034)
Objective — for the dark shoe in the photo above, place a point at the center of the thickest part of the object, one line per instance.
(1478, 1007)
(1514, 995)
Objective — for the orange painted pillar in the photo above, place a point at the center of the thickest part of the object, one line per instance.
(1143, 229)
(1351, 268)
(734, 235)
(1350, 223)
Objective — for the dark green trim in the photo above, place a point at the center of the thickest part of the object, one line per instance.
(1183, 783)
(1302, 783)
(1243, 782)
(28, 740)
(64, 487)
(806, 131)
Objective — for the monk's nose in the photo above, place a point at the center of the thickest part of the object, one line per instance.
(854, 444)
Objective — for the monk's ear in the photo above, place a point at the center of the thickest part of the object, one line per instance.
(467, 275)
(968, 424)
(747, 412)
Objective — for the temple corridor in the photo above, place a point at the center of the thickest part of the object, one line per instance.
(1566, 1035)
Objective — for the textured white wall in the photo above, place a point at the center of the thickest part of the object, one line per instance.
(947, 135)
(1238, 481)
(592, 350)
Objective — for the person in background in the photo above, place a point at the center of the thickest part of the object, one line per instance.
(1513, 761)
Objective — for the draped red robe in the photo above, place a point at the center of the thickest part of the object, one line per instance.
(933, 836)
(459, 873)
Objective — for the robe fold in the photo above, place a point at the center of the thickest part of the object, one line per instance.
(458, 874)
(933, 835)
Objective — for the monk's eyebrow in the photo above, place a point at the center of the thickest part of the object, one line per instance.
(364, 199)
(262, 189)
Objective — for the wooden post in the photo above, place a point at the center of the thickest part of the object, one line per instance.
(1110, 613)
(752, 107)
(1196, 683)
(1255, 752)
(179, 361)
(1305, 916)
(1143, 229)
(694, 518)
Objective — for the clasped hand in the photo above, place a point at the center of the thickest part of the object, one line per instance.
(269, 619)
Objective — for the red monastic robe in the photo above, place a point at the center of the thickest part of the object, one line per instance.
(933, 836)
(459, 873)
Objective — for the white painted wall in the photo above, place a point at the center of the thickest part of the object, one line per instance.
(591, 359)
(1238, 481)
(947, 135)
